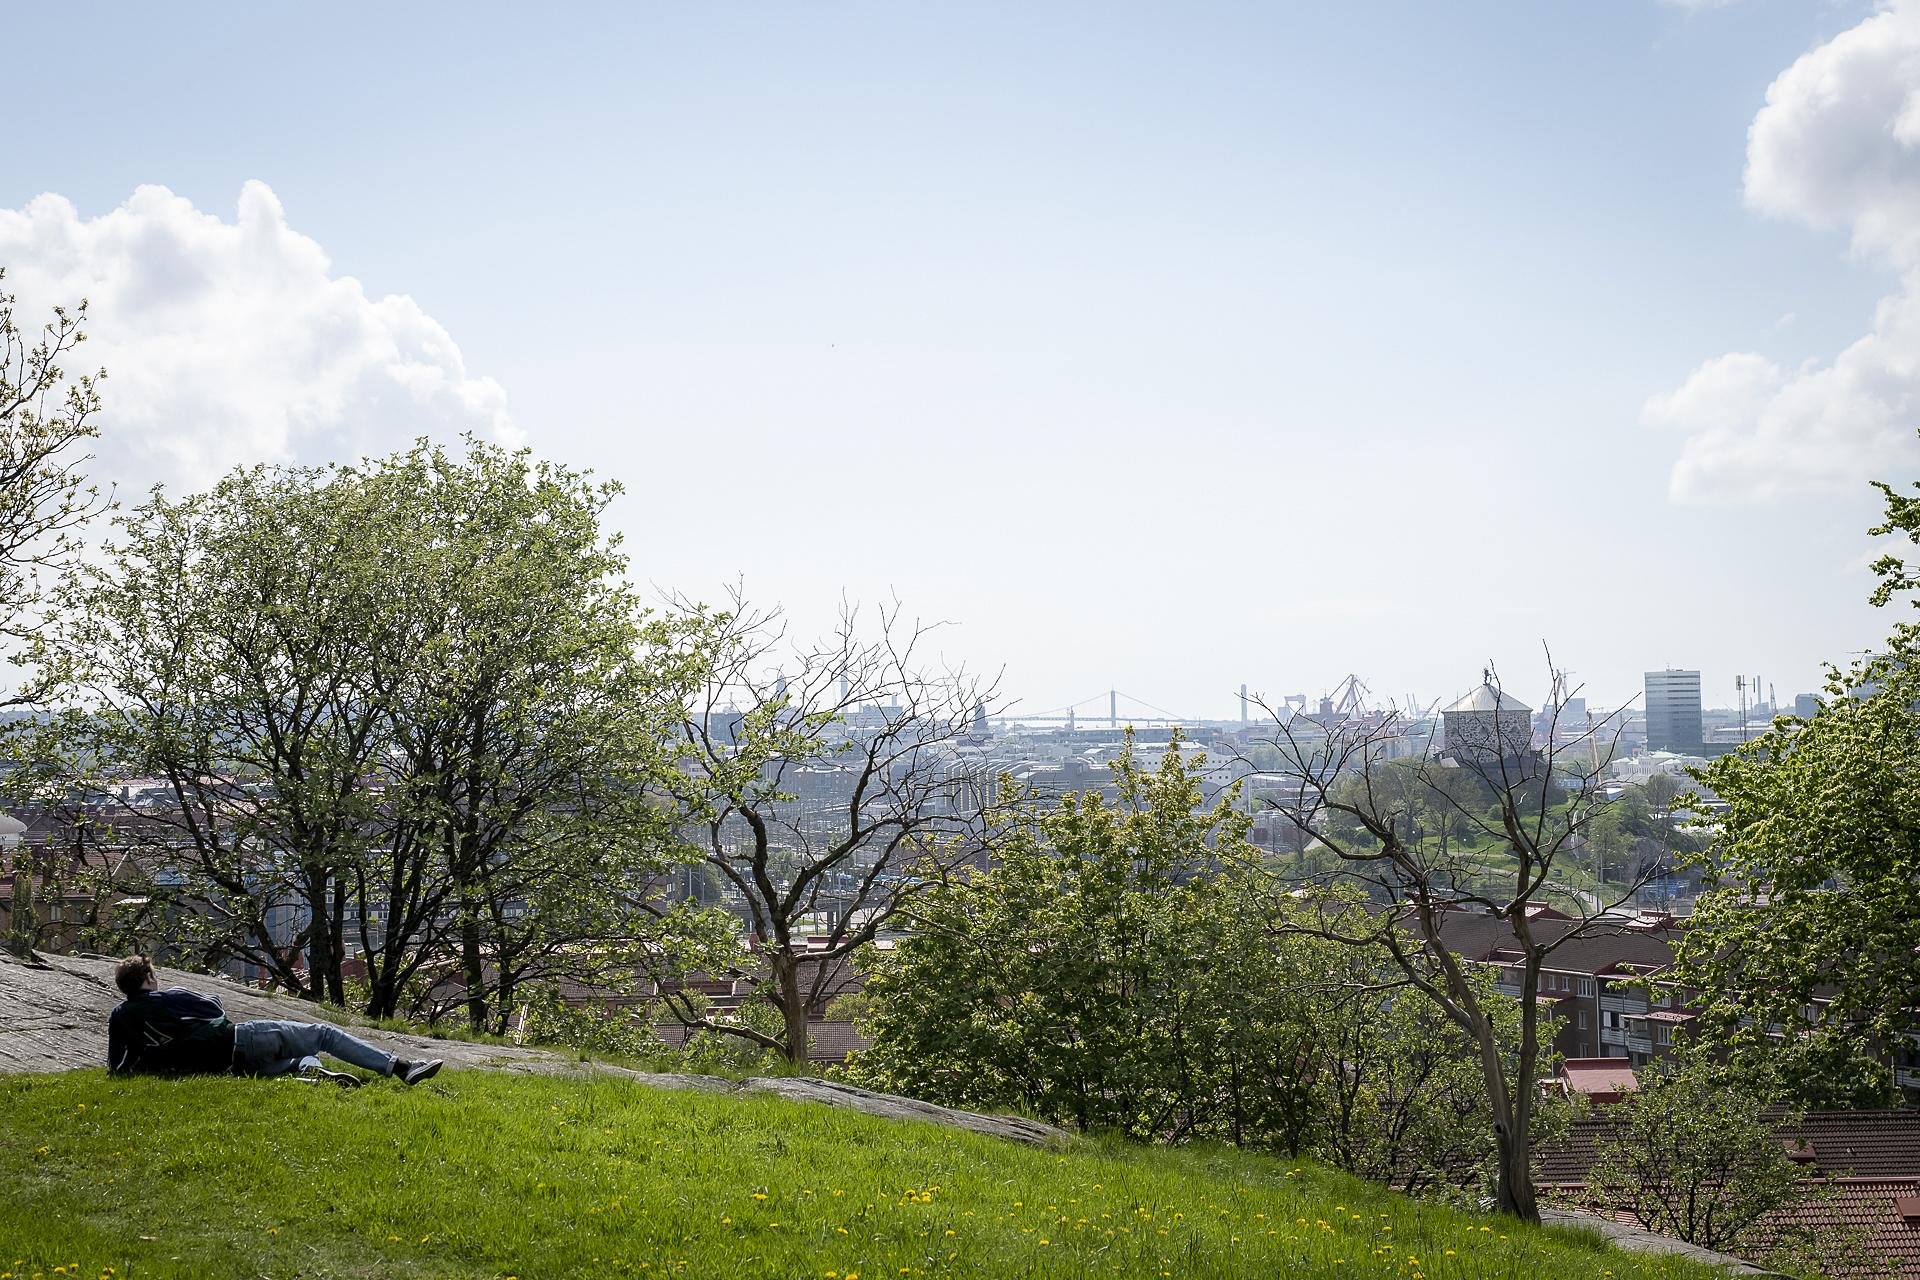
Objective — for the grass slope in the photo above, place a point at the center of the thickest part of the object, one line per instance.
(490, 1175)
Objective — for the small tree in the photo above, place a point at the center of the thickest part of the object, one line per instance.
(1403, 1099)
(1121, 968)
(1692, 1156)
(829, 788)
(1364, 789)
(1080, 979)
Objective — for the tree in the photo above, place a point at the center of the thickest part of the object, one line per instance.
(220, 646)
(1805, 948)
(1123, 968)
(1403, 1101)
(409, 707)
(829, 788)
(1661, 790)
(1692, 1156)
(1359, 787)
(46, 415)
(1082, 979)
(532, 711)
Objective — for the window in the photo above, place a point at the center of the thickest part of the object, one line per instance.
(1586, 986)
(1582, 1022)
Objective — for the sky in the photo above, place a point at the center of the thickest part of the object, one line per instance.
(1157, 348)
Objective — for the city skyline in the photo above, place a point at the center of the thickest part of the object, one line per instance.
(1160, 352)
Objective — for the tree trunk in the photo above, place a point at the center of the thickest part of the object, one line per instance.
(337, 940)
(23, 924)
(320, 957)
(1513, 1139)
(503, 1002)
(382, 998)
(1515, 1194)
(470, 965)
(793, 1009)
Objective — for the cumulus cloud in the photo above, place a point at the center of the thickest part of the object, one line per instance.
(1836, 146)
(233, 342)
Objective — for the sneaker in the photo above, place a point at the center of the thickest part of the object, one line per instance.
(414, 1072)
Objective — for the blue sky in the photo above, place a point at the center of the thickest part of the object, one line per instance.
(1159, 347)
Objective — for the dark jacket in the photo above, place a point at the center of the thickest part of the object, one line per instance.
(175, 1030)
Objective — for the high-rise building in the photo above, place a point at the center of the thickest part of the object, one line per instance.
(1673, 711)
(1806, 706)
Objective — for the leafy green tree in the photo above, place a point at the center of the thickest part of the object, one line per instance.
(1804, 951)
(412, 705)
(1121, 969)
(531, 719)
(1071, 981)
(47, 414)
(217, 646)
(1660, 790)
(1404, 1100)
(1692, 1156)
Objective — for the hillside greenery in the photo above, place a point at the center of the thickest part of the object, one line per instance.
(489, 1175)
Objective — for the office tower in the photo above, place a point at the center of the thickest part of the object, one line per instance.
(1673, 711)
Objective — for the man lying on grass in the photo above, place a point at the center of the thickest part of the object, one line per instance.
(179, 1031)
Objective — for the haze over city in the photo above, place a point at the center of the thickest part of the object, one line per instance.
(1158, 350)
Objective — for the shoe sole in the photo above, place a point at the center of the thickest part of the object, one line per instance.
(424, 1073)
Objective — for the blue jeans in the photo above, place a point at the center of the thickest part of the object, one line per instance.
(262, 1047)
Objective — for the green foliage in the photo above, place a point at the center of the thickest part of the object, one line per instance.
(1806, 951)
(1120, 970)
(1400, 1097)
(1697, 1156)
(47, 414)
(719, 1049)
(481, 1175)
(854, 1006)
(1069, 982)
(407, 693)
(546, 1019)
(1693, 1157)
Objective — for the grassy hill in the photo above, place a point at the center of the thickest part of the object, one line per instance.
(483, 1174)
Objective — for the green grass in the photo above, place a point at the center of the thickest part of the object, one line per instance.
(491, 1175)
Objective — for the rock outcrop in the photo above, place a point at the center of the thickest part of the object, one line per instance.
(1624, 1235)
(53, 1017)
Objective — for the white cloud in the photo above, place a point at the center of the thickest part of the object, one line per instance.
(1837, 145)
(232, 342)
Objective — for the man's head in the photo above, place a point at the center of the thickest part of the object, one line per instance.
(135, 975)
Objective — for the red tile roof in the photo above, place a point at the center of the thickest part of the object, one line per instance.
(1862, 1144)
(1870, 1204)
(1591, 1076)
